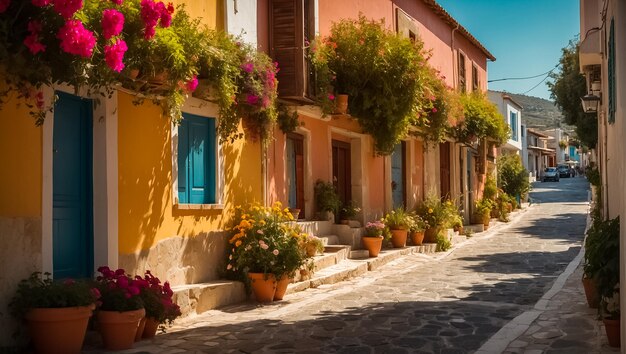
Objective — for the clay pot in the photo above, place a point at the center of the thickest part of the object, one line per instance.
(417, 238)
(281, 287)
(372, 244)
(612, 328)
(398, 238)
(58, 330)
(591, 292)
(263, 286)
(152, 325)
(341, 104)
(118, 329)
(140, 329)
(430, 235)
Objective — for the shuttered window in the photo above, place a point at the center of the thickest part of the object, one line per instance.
(475, 83)
(287, 46)
(462, 76)
(197, 160)
(611, 72)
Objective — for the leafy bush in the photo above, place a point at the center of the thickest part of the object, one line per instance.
(326, 198)
(482, 120)
(157, 299)
(512, 176)
(443, 243)
(593, 175)
(398, 219)
(602, 261)
(119, 291)
(374, 228)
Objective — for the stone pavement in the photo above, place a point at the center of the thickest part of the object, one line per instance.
(450, 303)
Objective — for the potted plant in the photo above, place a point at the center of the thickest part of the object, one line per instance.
(157, 301)
(121, 308)
(373, 237)
(326, 199)
(433, 213)
(266, 249)
(482, 211)
(349, 212)
(417, 227)
(593, 259)
(311, 244)
(398, 222)
(57, 312)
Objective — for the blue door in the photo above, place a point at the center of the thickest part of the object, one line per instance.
(397, 175)
(196, 160)
(72, 213)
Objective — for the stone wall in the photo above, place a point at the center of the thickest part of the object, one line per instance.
(20, 255)
(181, 260)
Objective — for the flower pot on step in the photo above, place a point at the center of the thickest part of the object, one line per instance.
(591, 292)
(118, 329)
(612, 328)
(58, 330)
(140, 329)
(281, 287)
(417, 238)
(263, 286)
(430, 235)
(152, 325)
(398, 238)
(372, 244)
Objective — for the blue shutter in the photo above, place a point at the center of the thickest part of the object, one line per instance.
(196, 160)
(611, 72)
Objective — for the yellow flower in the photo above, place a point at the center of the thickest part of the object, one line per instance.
(238, 243)
(430, 211)
(262, 222)
(244, 216)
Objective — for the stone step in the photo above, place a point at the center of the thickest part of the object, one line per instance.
(339, 272)
(350, 236)
(359, 254)
(458, 239)
(475, 228)
(329, 239)
(317, 228)
(201, 297)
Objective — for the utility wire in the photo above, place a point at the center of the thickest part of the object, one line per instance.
(534, 87)
(526, 77)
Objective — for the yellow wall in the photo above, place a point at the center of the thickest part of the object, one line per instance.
(210, 12)
(146, 211)
(20, 158)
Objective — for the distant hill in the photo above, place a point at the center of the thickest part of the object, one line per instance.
(540, 113)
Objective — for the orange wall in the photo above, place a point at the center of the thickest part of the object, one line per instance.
(21, 159)
(146, 212)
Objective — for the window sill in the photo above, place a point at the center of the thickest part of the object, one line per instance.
(199, 206)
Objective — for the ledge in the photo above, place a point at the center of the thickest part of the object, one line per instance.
(199, 206)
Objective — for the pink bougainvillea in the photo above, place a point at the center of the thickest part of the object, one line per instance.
(153, 12)
(114, 55)
(112, 23)
(76, 39)
(41, 3)
(117, 2)
(32, 40)
(252, 99)
(4, 5)
(192, 84)
(67, 8)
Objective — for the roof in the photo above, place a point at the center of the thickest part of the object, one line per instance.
(507, 97)
(446, 17)
(530, 131)
(546, 150)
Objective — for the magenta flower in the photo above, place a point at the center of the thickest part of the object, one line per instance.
(112, 23)
(67, 8)
(434, 110)
(150, 16)
(41, 3)
(166, 16)
(252, 99)
(117, 2)
(331, 97)
(248, 67)
(114, 55)
(32, 41)
(265, 246)
(4, 5)
(192, 84)
(76, 39)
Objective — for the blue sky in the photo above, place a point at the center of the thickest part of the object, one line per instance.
(525, 36)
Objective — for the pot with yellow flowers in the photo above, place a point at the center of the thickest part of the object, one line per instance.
(265, 250)
(398, 221)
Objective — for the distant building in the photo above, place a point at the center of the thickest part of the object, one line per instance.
(512, 112)
(536, 155)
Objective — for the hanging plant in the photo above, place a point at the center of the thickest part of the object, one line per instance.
(481, 120)
(382, 73)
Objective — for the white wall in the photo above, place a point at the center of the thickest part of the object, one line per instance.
(241, 19)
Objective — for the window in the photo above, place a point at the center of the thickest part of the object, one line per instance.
(513, 124)
(475, 84)
(611, 72)
(197, 160)
(462, 87)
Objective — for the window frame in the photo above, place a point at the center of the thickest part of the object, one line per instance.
(462, 71)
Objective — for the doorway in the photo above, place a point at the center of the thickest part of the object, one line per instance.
(398, 175)
(342, 177)
(295, 171)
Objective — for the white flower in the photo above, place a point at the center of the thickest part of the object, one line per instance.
(275, 252)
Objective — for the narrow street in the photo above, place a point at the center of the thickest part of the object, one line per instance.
(417, 304)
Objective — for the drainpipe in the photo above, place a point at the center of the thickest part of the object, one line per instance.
(454, 67)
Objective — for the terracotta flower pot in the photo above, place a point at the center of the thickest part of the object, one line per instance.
(373, 244)
(140, 329)
(612, 328)
(281, 287)
(263, 286)
(591, 293)
(398, 238)
(58, 330)
(417, 238)
(118, 329)
(152, 325)
(341, 104)
(430, 235)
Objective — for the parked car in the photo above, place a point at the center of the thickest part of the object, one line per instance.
(564, 171)
(550, 174)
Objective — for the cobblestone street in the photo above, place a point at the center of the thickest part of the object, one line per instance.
(451, 303)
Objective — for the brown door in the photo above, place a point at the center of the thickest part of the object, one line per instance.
(295, 171)
(341, 170)
(444, 169)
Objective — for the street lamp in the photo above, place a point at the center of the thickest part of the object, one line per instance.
(590, 103)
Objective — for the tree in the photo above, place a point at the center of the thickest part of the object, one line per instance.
(512, 176)
(567, 87)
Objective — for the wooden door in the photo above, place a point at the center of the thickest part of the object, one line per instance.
(342, 178)
(444, 169)
(398, 173)
(295, 171)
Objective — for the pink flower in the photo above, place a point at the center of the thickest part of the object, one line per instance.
(252, 99)
(112, 23)
(260, 232)
(4, 5)
(166, 16)
(248, 67)
(32, 41)
(117, 2)
(67, 8)
(192, 84)
(275, 252)
(120, 272)
(95, 293)
(331, 97)
(41, 3)
(434, 110)
(229, 267)
(122, 282)
(76, 39)
(114, 55)
(133, 290)
(39, 99)
(150, 16)
(265, 246)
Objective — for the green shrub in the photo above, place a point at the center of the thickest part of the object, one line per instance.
(512, 176)
(326, 198)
